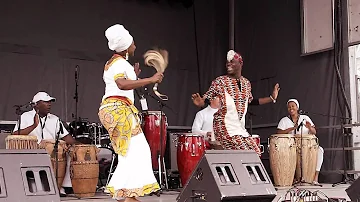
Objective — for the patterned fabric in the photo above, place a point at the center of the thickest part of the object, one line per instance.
(137, 192)
(120, 118)
(240, 92)
(238, 143)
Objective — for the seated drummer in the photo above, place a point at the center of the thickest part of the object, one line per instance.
(289, 125)
(203, 122)
(45, 126)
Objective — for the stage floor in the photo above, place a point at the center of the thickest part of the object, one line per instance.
(170, 196)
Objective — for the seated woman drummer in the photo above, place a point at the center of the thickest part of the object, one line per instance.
(290, 125)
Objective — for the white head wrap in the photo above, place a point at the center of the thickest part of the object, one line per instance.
(119, 39)
(294, 100)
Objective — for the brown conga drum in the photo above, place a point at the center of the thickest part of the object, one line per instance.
(309, 151)
(48, 145)
(282, 155)
(84, 170)
(21, 142)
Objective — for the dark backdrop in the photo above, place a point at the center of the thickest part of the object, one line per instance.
(42, 41)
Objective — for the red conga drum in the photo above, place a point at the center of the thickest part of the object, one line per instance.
(190, 149)
(151, 126)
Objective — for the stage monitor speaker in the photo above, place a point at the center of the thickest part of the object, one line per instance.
(228, 175)
(26, 175)
(354, 191)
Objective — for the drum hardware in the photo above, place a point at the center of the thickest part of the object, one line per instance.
(107, 164)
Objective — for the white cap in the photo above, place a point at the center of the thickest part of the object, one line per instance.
(294, 100)
(119, 39)
(42, 96)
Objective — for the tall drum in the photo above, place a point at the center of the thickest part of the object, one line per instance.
(84, 170)
(48, 145)
(309, 151)
(190, 149)
(21, 142)
(282, 153)
(151, 127)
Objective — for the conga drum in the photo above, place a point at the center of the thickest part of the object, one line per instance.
(309, 151)
(151, 126)
(21, 142)
(190, 149)
(48, 145)
(282, 154)
(84, 170)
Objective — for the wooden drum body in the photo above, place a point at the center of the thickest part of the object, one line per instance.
(282, 153)
(84, 170)
(310, 148)
(21, 142)
(48, 145)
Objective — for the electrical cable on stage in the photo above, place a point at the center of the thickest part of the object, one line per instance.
(304, 195)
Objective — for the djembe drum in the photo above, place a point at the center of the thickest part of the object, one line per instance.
(48, 145)
(21, 142)
(84, 170)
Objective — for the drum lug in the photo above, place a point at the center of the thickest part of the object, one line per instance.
(193, 150)
(175, 140)
(157, 122)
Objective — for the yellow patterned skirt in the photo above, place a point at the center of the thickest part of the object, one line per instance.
(133, 176)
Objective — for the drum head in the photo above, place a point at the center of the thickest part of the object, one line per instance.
(305, 136)
(155, 113)
(189, 134)
(281, 135)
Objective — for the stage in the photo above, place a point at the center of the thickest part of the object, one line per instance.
(170, 196)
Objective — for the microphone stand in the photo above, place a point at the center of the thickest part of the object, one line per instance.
(346, 178)
(76, 97)
(161, 162)
(55, 153)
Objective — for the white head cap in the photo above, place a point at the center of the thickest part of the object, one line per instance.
(233, 55)
(42, 96)
(119, 39)
(294, 100)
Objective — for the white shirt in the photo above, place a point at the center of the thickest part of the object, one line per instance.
(203, 121)
(119, 69)
(49, 126)
(286, 123)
